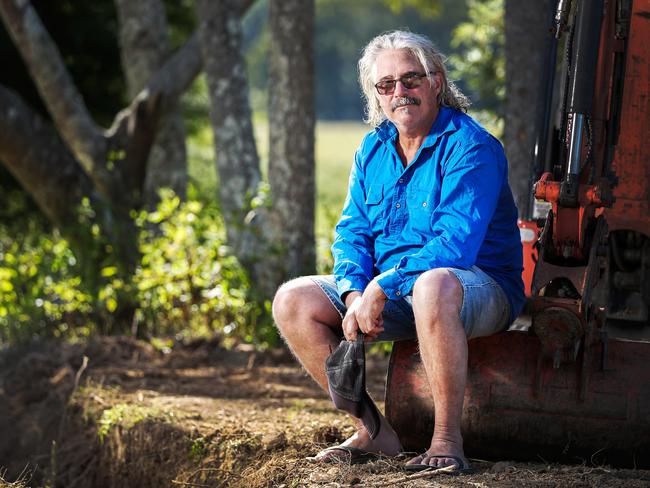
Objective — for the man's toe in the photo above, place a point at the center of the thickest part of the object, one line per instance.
(416, 460)
(451, 464)
(441, 462)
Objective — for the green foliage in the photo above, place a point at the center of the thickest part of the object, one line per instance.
(480, 60)
(127, 416)
(186, 283)
(40, 287)
(198, 449)
(427, 8)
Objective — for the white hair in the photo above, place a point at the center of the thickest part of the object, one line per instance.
(424, 51)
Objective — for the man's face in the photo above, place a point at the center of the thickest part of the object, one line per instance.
(412, 110)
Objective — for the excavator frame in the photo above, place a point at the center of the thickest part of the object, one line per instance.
(570, 380)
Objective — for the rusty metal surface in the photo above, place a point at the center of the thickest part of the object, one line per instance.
(502, 417)
(631, 163)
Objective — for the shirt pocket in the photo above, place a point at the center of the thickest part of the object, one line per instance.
(421, 204)
(421, 201)
(374, 207)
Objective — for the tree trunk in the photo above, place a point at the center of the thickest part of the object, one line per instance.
(30, 149)
(291, 132)
(237, 159)
(57, 90)
(526, 27)
(144, 43)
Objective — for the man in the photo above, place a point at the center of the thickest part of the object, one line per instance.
(427, 245)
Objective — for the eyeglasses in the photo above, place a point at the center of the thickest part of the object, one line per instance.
(409, 80)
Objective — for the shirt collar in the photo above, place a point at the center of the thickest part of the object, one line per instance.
(445, 122)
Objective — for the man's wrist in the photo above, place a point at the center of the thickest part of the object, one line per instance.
(349, 296)
(380, 291)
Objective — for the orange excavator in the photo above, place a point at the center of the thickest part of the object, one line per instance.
(570, 380)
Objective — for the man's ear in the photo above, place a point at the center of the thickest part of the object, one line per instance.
(437, 83)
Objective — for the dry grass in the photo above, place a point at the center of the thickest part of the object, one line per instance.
(208, 417)
(21, 482)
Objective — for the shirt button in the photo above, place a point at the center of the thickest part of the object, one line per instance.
(424, 204)
(401, 180)
(398, 293)
(397, 205)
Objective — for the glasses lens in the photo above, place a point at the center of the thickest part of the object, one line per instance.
(385, 87)
(412, 80)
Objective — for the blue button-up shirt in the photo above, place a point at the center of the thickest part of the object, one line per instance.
(450, 207)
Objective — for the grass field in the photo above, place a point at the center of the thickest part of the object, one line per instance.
(335, 146)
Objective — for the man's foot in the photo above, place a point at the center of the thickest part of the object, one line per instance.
(361, 448)
(441, 455)
(451, 464)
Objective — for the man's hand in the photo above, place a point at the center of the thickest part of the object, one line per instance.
(364, 312)
(350, 324)
(369, 312)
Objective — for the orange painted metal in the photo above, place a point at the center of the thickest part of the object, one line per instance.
(597, 195)
(529, 232)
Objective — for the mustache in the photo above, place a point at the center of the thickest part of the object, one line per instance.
(403, 101)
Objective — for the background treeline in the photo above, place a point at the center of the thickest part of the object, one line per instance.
(199, 198)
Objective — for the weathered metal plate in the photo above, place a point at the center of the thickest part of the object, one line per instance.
(502, 417)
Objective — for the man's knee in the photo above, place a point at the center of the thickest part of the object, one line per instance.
(301, 300)
(438, 288)
(287, 298)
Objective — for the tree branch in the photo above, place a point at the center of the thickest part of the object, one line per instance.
(115, 159)
(180, 70)
(33, 152)
(158, 97)
(54, 83)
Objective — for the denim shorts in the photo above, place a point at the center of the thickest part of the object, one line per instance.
(485, 310)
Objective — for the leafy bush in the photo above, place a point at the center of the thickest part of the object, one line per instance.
(480, 54)
(186, 283)
(40, 289)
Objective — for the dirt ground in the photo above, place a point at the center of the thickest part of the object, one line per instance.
(119, 413)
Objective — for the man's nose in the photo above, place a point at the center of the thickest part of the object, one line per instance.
(400, 89)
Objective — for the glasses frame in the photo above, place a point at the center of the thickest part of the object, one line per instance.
(409, 81)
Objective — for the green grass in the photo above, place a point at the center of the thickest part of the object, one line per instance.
(335, 146)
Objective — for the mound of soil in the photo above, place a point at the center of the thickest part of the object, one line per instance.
(119, 413)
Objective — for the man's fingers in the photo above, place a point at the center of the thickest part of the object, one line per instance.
(368, 323)
(373, 333)
(350, 327)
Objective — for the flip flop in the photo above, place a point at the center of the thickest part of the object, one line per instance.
(462, 466)
(351, 455)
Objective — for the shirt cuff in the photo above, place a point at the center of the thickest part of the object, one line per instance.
(394, 284)
(345, 285)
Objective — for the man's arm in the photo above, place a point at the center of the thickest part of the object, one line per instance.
(353, 251)
(352, 248)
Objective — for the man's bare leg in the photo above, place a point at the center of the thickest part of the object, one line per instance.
(437, 301)
(311, 327)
